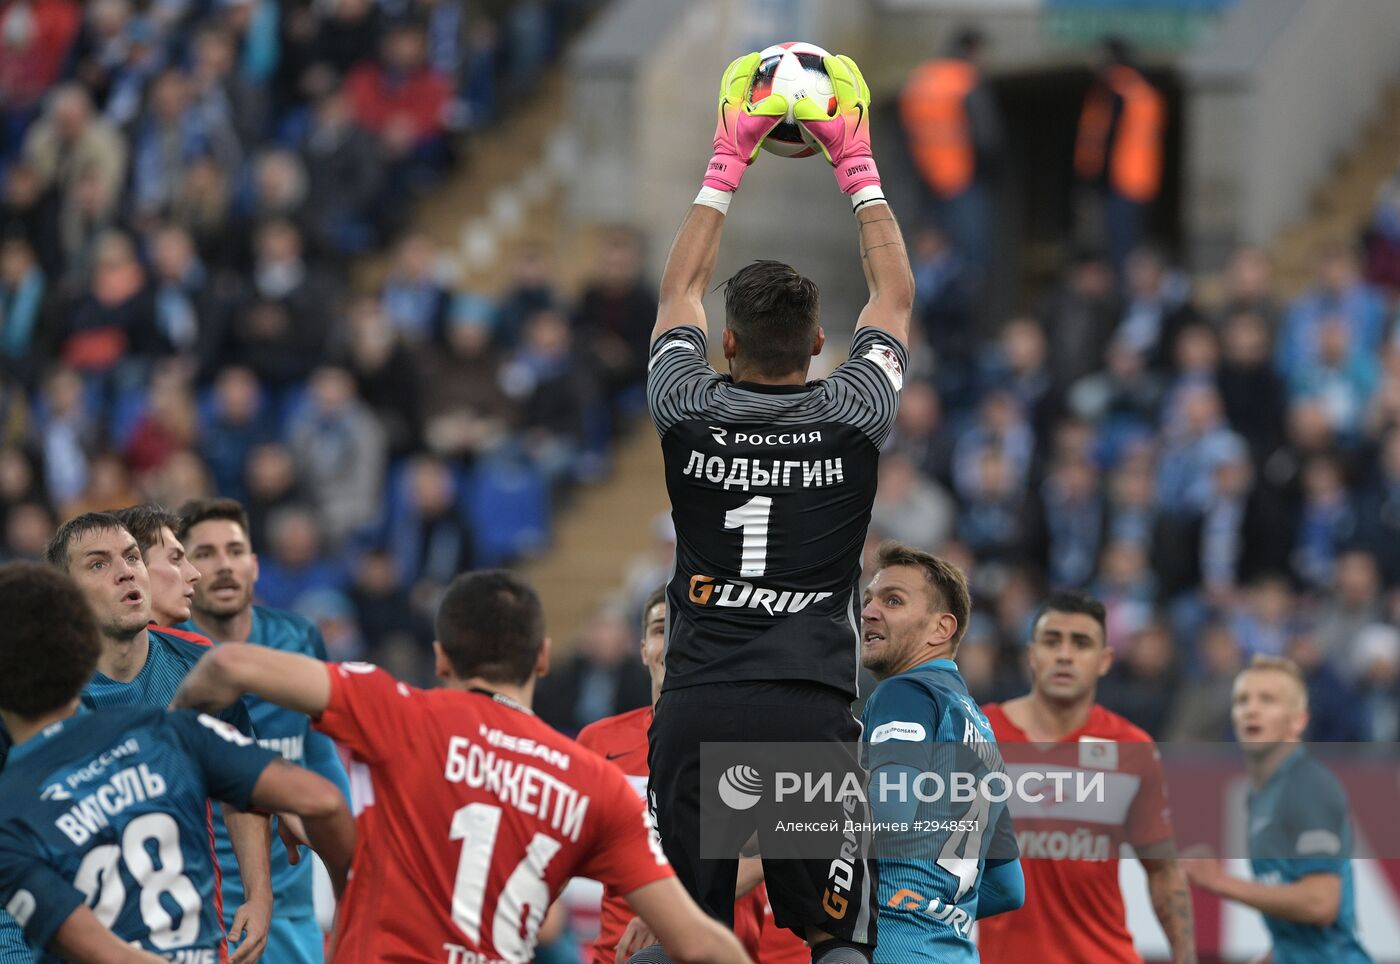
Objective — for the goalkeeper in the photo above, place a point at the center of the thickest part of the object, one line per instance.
(762, 605)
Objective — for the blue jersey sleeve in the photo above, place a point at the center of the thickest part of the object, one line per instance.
(229, 761)
(901, 720)
(1002, 889)
(36, 897)
(237, 716)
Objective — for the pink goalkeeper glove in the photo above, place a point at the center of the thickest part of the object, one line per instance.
(741, 127)
(845, 137)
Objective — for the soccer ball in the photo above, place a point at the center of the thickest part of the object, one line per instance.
(794, 70)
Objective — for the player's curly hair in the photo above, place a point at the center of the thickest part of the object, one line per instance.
(772, 311)
(50, 645)
(491, 625)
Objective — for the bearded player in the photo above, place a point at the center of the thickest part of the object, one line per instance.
(623, 740)
(480, 812)
(215, 532)
(771, 478)
(1074, 911)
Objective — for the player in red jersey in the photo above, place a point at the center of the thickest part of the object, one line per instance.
(1074, 910)
(622, 739)
(481, 812)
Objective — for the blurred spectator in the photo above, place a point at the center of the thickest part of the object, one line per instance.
(531, 290)
(1263, 620)
(1338, 294)
(1334, 713)
(292, 564)
(31, 211)
(1118, 151)
(235, 424)
(1068, 525)
(19, 478)
(1082, 312)
(115, 322)
(919, 434)
(185, 313)
(1191, 448)
(171, 135)
(992, 513)
(1142, 685)
(28, 528)
(1000, 426)
(109, 487)
(37, 36)
(1127, 589)
(405, 102)
(66, 433)
(23, 318)
(280, 187)
(430, 539)
(1327, 521)
(271, 484)
(602, 676)
(386, 376)
(334, 615)
(615, 314)
(1378, 514)
(349, 177)
(70, 140)
(1249, 389)
(955, 136)
(467, 411)
(1158, 307)
(165, 427)
(1341, 377)
(1353, 605)
(909, 507)
(1019, 363)
(1202, 712)
(944, 295)
(348, 35)
(221, 90)
(1375, 666)
(415, 301)
(382, 604)
(339, 449)
(1249, 286)
(555, 393)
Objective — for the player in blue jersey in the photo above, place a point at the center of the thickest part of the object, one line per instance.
(1300, 836)
(103, 814)
(141, 665)
(215, 533)
(961, 865)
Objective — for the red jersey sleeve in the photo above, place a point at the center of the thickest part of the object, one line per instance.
(1150, 818)
(626, 851)
(370, 713)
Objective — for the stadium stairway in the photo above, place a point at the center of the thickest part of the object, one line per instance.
(509, 191)
(1342, 206)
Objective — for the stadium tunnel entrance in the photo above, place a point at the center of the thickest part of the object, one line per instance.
(1036, 217)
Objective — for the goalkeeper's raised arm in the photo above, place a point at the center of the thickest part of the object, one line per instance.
(845, 142)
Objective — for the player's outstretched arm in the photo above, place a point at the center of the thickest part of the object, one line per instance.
(250, 834)
(739, 131)
(845, 142)
(319, 803)
(226, 672)
(83, 938)
(1313, 899)
(1003, 889)
(687, 933)
(1171, 901)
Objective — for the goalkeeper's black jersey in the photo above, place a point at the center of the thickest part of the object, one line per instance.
(771, 489)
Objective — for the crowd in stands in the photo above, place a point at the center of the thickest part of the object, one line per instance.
(185, 187)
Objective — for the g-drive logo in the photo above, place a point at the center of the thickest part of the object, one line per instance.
(738, 594)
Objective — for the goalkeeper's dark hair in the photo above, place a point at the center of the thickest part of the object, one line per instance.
(491, 625)
(772, 311)
(50, 646)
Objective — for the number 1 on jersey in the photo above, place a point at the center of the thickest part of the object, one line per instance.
(752, 518)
